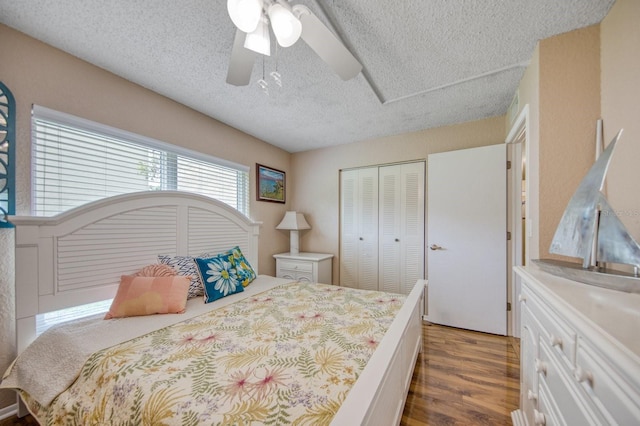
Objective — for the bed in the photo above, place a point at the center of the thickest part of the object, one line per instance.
(79, 257)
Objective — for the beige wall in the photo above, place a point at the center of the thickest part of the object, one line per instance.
(39, 74)
(316, 173)
(569, 109)
(620, 65)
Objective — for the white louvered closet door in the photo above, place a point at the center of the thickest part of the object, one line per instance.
(359, 228)
(382, 227)
(401, 233)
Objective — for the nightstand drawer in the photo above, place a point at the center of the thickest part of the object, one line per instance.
(292, 265)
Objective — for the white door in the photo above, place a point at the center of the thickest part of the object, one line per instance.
(467, 239)
(401, 217)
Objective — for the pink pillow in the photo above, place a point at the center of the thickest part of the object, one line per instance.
(149, 295)
(156, 270)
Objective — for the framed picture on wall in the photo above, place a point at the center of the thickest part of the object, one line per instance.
(271, 184)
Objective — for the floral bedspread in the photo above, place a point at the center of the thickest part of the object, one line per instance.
(285, 356)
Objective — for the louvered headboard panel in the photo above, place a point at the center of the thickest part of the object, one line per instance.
(78, 257)
(86, 257)
(205, 236)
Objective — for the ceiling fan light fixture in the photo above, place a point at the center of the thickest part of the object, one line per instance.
(245, 14)
(259, 40)
(286, 27)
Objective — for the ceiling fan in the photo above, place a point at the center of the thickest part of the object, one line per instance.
(288, 23)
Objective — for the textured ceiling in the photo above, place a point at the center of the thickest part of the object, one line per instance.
(426, 63)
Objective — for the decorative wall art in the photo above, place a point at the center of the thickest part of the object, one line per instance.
(271, 184)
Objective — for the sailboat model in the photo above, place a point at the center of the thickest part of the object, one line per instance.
(591, 230)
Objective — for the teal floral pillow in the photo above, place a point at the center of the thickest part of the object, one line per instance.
(245, 272)
(219, 277)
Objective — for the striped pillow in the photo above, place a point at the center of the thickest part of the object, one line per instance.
(186, 266)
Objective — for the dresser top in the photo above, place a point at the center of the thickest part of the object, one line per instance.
(616, 313)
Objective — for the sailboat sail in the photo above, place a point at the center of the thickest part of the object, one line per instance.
(615, 245)
(590, 222)
(577, 229)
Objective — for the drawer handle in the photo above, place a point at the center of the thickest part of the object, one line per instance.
(522, 298)
(539, 418)
(541, 367)
(532, 396)
(555, 341)
(582, 375)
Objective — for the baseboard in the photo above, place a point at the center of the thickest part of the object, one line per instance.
(9, 411)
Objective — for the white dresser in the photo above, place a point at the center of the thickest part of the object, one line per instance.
(580, 353)
(312, 267)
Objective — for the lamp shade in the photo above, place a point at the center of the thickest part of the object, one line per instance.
(293, 221)
(245, 14)
(259, 40)
(286, 27)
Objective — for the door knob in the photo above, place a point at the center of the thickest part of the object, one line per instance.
(435, 247)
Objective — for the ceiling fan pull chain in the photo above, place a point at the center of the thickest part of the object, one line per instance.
(275, 74)
(262, 82)
(277, 78)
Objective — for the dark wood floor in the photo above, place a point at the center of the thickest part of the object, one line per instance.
(461, 378)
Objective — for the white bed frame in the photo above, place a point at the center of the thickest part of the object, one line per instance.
(78, 257)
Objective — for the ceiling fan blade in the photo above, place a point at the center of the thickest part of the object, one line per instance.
(241, 62)
(326, 44)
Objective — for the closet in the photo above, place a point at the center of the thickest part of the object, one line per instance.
(382, 227)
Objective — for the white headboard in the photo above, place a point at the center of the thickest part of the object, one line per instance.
(77, 257)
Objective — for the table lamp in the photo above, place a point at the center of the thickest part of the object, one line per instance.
(294, 222)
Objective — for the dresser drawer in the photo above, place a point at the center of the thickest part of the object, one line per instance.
(547, 413)
(528, 376)
(295, 266)
(616, 398)
(554, 331)
(556, 377)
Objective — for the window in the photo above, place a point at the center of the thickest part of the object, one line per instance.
(75, 161)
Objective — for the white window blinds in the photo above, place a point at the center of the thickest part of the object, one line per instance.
(75, 161)
(49, 319)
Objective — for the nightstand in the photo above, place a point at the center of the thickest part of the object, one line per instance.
(311, 267)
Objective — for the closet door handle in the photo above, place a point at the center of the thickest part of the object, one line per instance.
(397, 240)
(361, 239)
